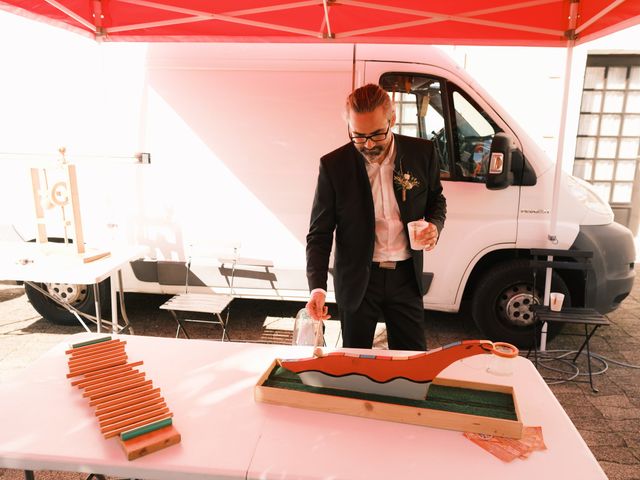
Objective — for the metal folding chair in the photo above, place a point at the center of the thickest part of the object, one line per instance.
(589, 318)
(214, 304)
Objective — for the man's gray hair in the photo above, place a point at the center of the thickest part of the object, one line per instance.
(367, 98)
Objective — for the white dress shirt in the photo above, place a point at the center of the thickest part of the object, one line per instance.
(391, 244)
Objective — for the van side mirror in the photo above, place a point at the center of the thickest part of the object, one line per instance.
(499, 174)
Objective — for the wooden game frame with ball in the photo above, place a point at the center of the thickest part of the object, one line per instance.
(416, 415)
(61, 194)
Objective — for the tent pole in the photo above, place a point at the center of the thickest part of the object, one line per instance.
(553, 222)
(560, 150)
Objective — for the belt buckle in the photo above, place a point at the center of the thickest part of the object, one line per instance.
(388, 265)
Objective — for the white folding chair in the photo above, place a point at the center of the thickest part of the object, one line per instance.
(214, 304)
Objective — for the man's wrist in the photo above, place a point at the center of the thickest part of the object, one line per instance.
(321, 290)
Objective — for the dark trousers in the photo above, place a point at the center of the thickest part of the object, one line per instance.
(393, 295)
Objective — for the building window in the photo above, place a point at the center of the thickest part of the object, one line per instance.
(608, 143)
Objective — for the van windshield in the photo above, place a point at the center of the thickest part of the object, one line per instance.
(474, 134)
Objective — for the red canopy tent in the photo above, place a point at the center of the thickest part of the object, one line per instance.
(462, 22)
(549, 23)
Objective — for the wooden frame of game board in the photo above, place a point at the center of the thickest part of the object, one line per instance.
(397, 413)
(125, 402)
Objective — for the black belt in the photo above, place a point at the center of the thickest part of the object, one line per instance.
(390, 265)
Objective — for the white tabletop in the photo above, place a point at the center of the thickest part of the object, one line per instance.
(226, 434)
(58, 263)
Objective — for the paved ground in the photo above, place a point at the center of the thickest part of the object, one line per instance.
(608, 421)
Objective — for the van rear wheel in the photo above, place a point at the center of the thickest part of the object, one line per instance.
(502, 303)
(77, 295)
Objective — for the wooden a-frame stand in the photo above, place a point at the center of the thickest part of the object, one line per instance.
(61, 194)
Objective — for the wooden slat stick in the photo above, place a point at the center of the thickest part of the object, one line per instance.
(116, 410)
(124, 401)
(99, 366)
(141, 423)
(106, 424)
(151, 427)
(74, 352)
(136, 422)
(89, 360)
(37, 201)
(96, 361)
(99, 401)
(91, 342)
(75, 207)
(105, 372)
(96, 349)
(107, 378)
(97, 391)
(118, 389)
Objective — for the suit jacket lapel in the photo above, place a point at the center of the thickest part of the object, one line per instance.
(365, 184)
(399, 166)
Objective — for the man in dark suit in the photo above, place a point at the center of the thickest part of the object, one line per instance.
(367, 192)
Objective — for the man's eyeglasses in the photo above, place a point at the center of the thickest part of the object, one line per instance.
(375, 137)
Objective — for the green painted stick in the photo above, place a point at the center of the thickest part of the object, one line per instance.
(90, 342)
(136, 432)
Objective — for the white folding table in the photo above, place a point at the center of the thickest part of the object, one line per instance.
(225, 434)
(57, 263)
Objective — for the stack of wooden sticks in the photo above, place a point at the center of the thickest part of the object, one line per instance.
(126, 404)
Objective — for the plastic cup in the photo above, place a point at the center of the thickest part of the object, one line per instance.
(502, 359)
(555, 301)
(414, 228)
(306, 330)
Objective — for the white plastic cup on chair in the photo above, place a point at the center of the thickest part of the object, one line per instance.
(556, 299)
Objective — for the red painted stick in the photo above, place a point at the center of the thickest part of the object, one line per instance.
(136, 421)
(146, 386)
(125, 400)
(77, 352)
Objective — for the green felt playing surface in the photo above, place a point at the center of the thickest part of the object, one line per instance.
(439, 397)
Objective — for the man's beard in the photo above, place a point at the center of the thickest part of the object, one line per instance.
(372, 153)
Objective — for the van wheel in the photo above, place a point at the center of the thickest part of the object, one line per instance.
(77, 295)
(501, 305)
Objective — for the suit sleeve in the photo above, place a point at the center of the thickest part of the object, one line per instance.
(321, 228)
(436, 211)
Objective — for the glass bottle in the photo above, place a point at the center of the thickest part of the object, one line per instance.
(306, 330)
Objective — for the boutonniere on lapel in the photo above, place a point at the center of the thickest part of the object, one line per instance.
(404, 181)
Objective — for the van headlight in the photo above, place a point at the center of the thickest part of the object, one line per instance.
(584, 192)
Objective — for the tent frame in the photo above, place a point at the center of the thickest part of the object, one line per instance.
(424, 17)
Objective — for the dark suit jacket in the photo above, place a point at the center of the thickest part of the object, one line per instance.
(343, 203)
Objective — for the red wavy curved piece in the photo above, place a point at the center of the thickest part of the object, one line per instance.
(421, 367)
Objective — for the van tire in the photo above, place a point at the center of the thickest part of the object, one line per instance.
(501, 302)
(82, 300)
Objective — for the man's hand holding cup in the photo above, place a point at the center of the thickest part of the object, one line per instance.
(422, 235)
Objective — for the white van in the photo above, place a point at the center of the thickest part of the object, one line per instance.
(234, 135)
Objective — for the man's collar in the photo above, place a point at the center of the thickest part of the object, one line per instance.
(392, 152)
